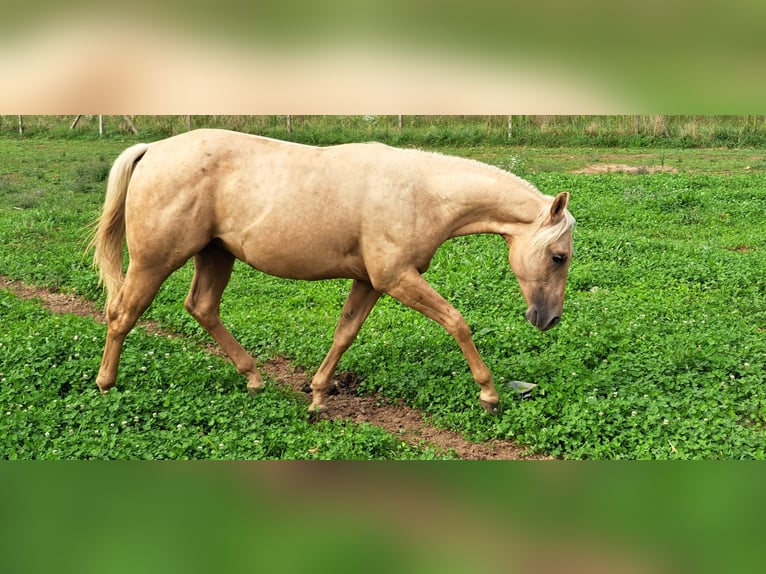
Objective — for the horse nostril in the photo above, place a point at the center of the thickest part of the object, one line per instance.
(553, 322)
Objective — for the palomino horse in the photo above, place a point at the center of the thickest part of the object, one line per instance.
(366, 212)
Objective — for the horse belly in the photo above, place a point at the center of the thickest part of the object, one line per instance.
(294, 254)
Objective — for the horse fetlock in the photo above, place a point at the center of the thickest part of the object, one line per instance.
(104, 384)
(483, 378)
(489, 393)
(319, 396)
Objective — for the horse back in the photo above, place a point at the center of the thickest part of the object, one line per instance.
(287, 209)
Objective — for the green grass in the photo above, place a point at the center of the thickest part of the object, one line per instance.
(661, 352)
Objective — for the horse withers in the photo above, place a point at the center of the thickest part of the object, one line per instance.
(363, 211)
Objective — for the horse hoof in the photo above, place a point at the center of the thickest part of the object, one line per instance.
(252, 391)
(318, 413)
(491, 408)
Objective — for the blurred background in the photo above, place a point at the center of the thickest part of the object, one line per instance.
(550, 517)
(393, 57)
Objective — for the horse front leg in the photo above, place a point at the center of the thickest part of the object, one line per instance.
(411, 289)
(360, 302)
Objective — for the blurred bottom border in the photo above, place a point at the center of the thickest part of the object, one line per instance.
(415, 517)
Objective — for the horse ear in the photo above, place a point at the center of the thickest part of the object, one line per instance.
(559, 205)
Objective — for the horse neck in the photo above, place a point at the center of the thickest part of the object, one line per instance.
(502, 204)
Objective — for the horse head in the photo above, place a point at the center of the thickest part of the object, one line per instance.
(540, 260)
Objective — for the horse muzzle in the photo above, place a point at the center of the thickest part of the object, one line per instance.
(543, 319)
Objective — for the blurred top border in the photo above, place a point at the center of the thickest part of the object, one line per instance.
(350, 57)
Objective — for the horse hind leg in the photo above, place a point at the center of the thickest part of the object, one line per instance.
(212, 271)
(138, 290)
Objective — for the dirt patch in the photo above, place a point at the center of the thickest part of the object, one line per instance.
(598, 168)
(407, 423)
(743, 249)
(398, 419)
(54, 301)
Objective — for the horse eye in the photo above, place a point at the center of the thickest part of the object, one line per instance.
(559, 258)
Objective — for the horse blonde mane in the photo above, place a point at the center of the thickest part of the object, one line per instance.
(487, 167)
(545, 234)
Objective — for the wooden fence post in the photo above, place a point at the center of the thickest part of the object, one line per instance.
(661, 121)
(130, 125)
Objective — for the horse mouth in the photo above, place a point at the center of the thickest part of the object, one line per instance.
(542, 321)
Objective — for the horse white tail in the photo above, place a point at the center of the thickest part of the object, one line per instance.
(110, 231)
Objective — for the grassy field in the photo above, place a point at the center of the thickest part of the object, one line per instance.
(661, 352)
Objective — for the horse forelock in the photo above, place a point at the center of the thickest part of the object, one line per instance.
(549, 234)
